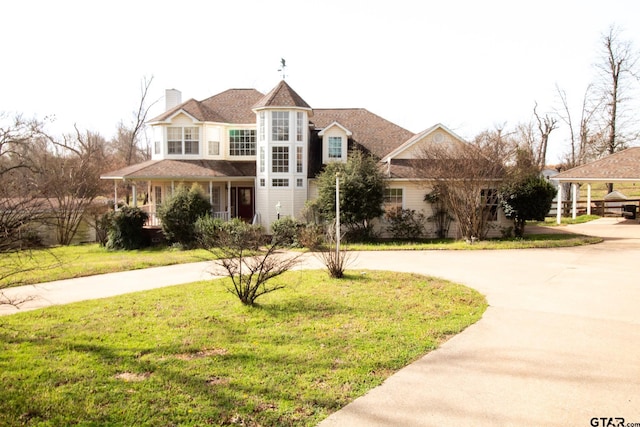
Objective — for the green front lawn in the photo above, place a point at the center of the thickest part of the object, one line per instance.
(66, 262)
(192, 355)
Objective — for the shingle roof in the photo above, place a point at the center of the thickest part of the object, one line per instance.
(621, 166)
(282, 96)
(185, 169)
(372, 132)
(230, 106)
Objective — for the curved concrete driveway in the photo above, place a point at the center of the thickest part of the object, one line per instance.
(559, 344)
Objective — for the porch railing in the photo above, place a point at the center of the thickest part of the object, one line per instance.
(154, 221)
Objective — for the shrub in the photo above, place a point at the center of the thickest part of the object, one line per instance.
(207, 231)
(126, 228)
(180, 213)
(311, 236)
(405, 223)
(529, 198)
(286, 232)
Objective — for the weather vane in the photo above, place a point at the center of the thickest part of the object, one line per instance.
(283, 65)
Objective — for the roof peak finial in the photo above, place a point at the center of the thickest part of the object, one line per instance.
(283, 66)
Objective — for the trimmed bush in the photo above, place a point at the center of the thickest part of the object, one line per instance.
(125, 230)
(286, 232)
(180, 213)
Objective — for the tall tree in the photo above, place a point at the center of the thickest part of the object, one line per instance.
(68, 177)
(617, 71)
(129, 145)
(545, 124)
(584, 134)
(362, 186)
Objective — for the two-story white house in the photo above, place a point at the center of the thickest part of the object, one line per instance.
(257, 155)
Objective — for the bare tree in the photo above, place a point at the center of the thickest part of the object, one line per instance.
(129, 145)
(617, 70)
(68, 177)
(21, 210)
(546, 125)
(584, 139)
(466, 177)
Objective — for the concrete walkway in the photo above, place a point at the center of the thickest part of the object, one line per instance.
(559, 344)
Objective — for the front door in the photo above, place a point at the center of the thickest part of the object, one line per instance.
(245, 203)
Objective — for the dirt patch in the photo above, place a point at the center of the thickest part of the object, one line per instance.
(132, 377)
(202, 353)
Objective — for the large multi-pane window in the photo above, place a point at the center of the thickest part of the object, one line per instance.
(299, 127)
(280, 159)
(280, 125)
(279, 182)
(392, 199)
(299, 165)
(242, 142)
(183, 140)
(335, 147)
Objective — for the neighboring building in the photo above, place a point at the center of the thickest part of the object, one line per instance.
(256, 155)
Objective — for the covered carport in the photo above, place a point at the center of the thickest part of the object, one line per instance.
(623, 166)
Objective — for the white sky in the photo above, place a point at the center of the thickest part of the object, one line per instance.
(465, 63)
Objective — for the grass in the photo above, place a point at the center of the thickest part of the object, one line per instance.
(66, 262)
(556, 240)
(553, 221)
(193, 355)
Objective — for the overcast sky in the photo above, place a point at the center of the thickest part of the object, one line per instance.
(468, 64)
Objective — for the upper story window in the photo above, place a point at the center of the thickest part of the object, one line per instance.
(299, 126)
(280, 126)
(299, 160)
(261, 159)
(335, 147)
(280, 159)
(183, 140)
(242, 142)
(262, 125)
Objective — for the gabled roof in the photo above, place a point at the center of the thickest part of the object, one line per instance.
(185, 170)
(621, 166)
(370, 131)
(338, 125)
(418, 137)
(281, 96)
(230, 106)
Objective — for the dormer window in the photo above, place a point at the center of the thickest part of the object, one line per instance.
(335, 147)
(280, 126)
(183, 140)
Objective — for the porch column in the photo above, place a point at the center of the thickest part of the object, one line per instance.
(589, 199)
(228, 200)
(211, 194)
(574, 200)
(134, 195)
(115, 195)
(559, 204)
